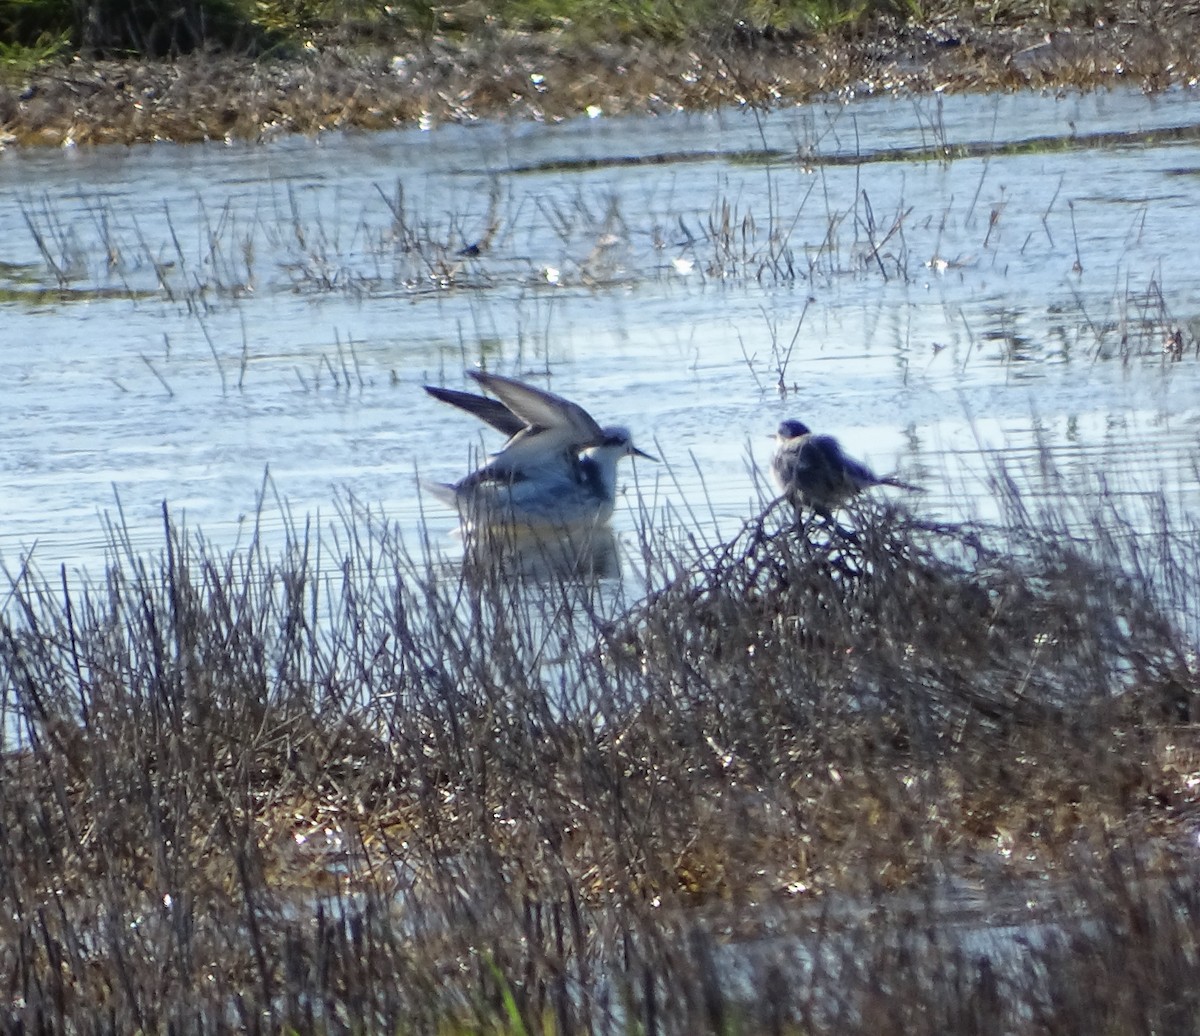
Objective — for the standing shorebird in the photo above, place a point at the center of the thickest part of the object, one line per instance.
(813, 472)
(558, 469)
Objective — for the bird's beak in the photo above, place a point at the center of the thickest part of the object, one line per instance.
(643, 453)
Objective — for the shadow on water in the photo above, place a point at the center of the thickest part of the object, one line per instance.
(545, 556)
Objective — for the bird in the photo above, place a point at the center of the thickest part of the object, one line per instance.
(814, 472)
(557, 470)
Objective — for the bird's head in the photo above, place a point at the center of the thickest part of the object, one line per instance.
(618, 441)
(791, 429)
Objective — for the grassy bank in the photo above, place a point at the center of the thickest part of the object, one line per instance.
(350, 788)
(154, 28)
(103, 71)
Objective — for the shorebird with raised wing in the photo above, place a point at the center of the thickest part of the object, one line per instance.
(558, 469)
(814, 472)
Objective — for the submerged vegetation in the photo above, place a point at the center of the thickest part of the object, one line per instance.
(100, 70)
(805, 782)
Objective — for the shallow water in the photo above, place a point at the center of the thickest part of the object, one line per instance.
(194, 317)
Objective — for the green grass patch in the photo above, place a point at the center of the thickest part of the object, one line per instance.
(32, 33)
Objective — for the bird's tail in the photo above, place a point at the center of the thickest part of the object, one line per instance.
(444, 491)
(891, 480)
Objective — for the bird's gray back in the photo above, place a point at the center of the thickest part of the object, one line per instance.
(813, 471)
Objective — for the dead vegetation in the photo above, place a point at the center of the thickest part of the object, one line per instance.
(506, 237)
(350, 788)
(547, 76)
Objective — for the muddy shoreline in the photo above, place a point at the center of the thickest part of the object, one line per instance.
(539, 77)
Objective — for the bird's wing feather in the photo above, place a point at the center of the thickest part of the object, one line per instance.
(542, 409)
(489, 410)
(544, 452)
(491, 473)
(845, 467)
(859, 473)
(530, 447)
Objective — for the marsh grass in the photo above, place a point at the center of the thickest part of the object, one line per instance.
(154, 29)
(395, 245)
(351, 786)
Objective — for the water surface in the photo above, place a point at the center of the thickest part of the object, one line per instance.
(179, 321)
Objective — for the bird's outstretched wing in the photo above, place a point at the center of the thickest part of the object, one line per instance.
(542, 409)
(491, 411)
(546, 432)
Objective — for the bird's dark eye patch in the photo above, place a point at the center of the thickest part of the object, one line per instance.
(793, 429)
(615, 440)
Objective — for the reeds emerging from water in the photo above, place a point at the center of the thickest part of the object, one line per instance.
(532, 245)
(794, 787)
